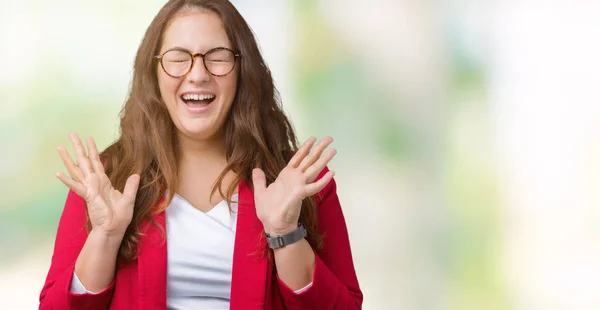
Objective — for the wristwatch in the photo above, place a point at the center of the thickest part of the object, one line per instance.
(276, 242)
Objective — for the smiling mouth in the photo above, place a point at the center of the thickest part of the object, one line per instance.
(195, 99)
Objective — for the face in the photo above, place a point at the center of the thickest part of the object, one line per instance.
(197, 102)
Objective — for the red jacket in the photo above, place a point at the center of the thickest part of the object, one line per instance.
(142, 283)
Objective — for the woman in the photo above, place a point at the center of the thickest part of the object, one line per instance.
(177, 214)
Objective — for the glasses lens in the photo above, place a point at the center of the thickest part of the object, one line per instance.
(176, 63)
(219, 61)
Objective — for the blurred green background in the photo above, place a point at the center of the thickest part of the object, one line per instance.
(467, 136)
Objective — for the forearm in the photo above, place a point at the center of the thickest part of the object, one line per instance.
(295, 264)
(96, 263)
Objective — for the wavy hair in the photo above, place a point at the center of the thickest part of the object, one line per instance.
(257, 132)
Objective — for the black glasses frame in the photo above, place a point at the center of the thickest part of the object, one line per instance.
(193, 56)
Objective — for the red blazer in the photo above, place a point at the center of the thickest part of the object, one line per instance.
(142, 283)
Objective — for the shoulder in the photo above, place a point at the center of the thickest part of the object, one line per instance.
(329, 189)
(73, 218)
(75, 206)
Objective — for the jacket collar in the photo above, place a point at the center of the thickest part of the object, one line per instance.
(152, 265)
(249, 275)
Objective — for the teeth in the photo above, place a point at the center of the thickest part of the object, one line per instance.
(197, 97)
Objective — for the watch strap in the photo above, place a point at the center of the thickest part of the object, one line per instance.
(276, 242)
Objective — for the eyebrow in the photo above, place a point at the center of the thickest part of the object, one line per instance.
(189, 51)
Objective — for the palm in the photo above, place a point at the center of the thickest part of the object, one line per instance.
(109, 210)
(103, 201)
(287, 190)
(278, 205)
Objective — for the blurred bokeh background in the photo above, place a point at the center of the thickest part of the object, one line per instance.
(468, 135)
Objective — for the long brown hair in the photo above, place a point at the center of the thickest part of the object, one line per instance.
(257, 132)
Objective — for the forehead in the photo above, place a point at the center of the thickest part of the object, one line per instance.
(197, 31)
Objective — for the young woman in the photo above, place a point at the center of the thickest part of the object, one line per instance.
(205, 201)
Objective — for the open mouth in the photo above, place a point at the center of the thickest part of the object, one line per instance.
(195, 99)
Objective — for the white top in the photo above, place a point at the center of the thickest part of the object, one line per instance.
(199, 256)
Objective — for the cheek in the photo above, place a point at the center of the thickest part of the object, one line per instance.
(167, 86)
(230, 86)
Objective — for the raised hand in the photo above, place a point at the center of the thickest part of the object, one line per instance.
(278, 205)
(110, 211)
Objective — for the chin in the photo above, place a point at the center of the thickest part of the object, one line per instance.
(196, 131)
(201, 124)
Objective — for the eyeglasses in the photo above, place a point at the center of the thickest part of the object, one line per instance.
(178, 62)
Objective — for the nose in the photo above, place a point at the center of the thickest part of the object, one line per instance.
(198, 72)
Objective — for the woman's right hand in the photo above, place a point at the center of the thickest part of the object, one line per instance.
(109, 210)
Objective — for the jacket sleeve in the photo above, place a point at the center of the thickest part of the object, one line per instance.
(70, 237)
(335, 285)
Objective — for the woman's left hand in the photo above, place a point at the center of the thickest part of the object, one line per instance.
(278, 205)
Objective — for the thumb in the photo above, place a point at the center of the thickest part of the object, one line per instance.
(131, 187)
(258, 179)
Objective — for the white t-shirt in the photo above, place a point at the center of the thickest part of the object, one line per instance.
(199, 255)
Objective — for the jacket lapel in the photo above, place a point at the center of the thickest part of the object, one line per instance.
(152, 265)
(249, 275)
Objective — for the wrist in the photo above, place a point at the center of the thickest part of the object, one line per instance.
(280, 229)
(106, 239)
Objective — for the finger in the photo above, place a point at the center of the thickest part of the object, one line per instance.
(259, 181)
(94, 156)
(82, 160)
(73, 170)
(75, 186)
(316, 187)
(131, 187)
(315, 153)
(301, 153)
(313, 171)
